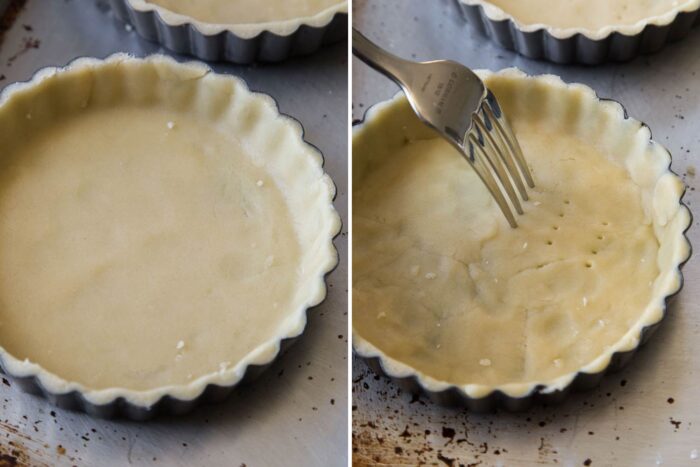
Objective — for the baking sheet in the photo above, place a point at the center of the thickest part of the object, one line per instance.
(645, 415)
(296, 413)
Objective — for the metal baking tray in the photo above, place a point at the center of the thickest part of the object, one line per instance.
(294, 413)
(642, 415)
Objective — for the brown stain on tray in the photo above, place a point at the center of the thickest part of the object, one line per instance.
(8, 19)
(15, 454)
(9, 16)
(411, 431)
(18, 449)
(28, 43)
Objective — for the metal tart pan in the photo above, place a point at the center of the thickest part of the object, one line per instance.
(541, 44)
(497, 399)
(120, 407)
(266, 46)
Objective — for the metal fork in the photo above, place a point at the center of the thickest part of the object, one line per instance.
(453, 100)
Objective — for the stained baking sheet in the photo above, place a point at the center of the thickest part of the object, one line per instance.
(295, 414)
(645, 415)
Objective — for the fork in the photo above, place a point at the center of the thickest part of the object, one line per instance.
(454, 101)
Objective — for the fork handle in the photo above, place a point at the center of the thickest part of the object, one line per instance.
(393, 67)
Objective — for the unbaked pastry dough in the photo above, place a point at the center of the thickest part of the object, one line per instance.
(442, 284)
(160, 226)
(585, 14)
(246, 11)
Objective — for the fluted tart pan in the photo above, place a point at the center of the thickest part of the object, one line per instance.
(450, 302)
(581, 45)
(164, 232)
(272, 41)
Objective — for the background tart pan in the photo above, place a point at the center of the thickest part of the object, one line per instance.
(571, 46)
(448, 394)
(229, 42)
(124, 403)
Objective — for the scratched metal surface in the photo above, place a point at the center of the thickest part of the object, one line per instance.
(647, 414)
(296, 413)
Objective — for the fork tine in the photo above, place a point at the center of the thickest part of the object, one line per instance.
(496, 162)
(492, 104)
(505, 152)
(476, 160)
(515, 147)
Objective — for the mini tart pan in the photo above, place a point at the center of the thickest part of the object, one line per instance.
(567, 46)
(242, 44)
(122, 76)
(520, 396)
